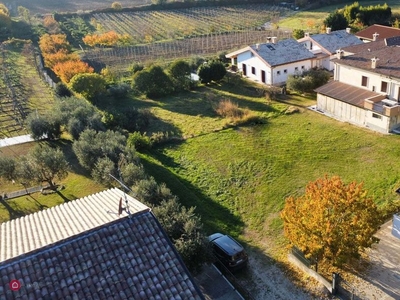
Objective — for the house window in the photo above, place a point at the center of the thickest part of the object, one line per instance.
(296, 68)
(376, 116)
(278, 72)
(285, 71)
(364, 81)
(302, 67)
(384, 86)
(253, 70)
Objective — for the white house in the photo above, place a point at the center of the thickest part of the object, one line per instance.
(271, 63)
(366, 86)
(324, 45)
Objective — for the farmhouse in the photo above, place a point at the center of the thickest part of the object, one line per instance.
(366, 86)
(324, 45)
(272, 62)
(92, 248)
(377, 32)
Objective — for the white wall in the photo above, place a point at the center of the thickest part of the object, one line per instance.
(353, 77)
(376, 121)
(356, 115)
(273, 76)
(280, 76)
(341, 110)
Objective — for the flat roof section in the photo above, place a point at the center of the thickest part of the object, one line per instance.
(346, 93)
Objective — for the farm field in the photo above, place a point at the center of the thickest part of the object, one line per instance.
(169, 34)
(22, 90)
(120, 58)
(150, 26)
(51, 6)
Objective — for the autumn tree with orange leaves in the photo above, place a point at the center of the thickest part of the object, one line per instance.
(56, 52)
(110, 38)
(68, 69)
(332, 220)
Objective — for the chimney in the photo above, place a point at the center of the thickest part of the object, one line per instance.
(328, 30)
(274, 39)
(268, 39)
(374, 61)
(339, 53)
(306, 34)
(375, 36)
(348, 30)
(257, 47)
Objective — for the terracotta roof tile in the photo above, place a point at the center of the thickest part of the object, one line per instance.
(117, 260)
(382, 31)
(388, 63)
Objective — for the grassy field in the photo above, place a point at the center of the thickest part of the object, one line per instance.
(238, 178)
(313, 19)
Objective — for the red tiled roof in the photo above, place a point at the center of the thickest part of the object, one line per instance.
(346, 93)
(388, 63)
(383, 31)
(125, 258)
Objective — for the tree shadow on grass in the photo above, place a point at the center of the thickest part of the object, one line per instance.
(214, 216)
(14, 213)
(37, 203)
(65, 199)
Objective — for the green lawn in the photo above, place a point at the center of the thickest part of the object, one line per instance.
(238, 178)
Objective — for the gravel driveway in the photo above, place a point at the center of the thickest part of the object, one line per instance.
(383, 278)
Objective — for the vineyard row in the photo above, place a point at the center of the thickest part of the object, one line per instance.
(151, 26)
(123, 57)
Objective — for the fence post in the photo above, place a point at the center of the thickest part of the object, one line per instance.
(335, 281)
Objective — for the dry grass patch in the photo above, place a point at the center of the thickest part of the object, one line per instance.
(236, 115)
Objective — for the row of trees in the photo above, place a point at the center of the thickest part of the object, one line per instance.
(155, 82)
(103, 152)
(57, 55)
(358, 16)
(109, 152)
(108, 39)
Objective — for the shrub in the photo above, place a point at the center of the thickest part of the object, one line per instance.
(159, 138)
(152, 193)
(153, 83)
(139, 141)
(212, 71)
(308, 81)
(119, 91)
(62, 90)
(136, 67)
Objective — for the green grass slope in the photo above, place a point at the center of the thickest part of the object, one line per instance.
(238, 178)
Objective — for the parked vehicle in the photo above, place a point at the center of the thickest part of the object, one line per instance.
(228, 251)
